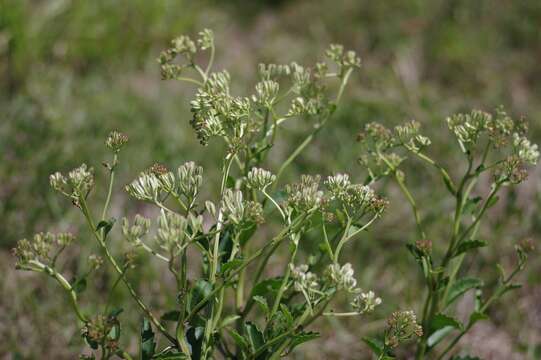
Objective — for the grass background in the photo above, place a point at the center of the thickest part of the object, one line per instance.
(71, 71)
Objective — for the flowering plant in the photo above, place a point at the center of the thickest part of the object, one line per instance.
(229, 233)
(496, 149)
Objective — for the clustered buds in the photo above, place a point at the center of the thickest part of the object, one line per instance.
(41, 246)
(135, 232)
(76, 185)
(116, 140)
(102, 331)
(402, 326)
(304, 281)
(239, 211)
(357, 199)
(344, 60)
(151, 183)
(342, 277)
(365, 302)
(185, 48)
(260, 178)
(172, 231)
(305, 195)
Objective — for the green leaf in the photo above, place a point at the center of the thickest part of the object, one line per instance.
(228, 320)
(231, 265)
(254, 335)
(238, 338)
(471, 205)
(465, 357)
(466, 246)
(106, 226)
(247, 233)
(287, 314)
(148, 345)
(170, 356)
(441, 320)
(79, 285)
(115, 312)
(439, 335)
(376, 345)
(477, 316)
(172, 315)
(114, 333)
(302, 338)
(493, 201)
(200, 291)
(267, 287)
(262, 302)
(460, 287)
(194, 335)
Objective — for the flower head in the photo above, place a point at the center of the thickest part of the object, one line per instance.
(365, 302)
(260, 178)
(342, 277)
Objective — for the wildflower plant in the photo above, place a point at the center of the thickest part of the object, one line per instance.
(495, 148)
(231, 310)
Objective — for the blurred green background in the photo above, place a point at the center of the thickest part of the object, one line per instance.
(71, 71)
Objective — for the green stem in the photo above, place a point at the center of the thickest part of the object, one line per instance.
(110, 187)
(118, 269)
(66, 286)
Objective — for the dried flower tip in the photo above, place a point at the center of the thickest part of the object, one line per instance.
(342, 277)
(365, 302)
(259, 178)
(116, 140)
(158, 169)
(424, 245)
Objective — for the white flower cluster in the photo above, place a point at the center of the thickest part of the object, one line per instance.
(259, 178)
(365, 302)
(157, 179)
(525, 150)
(239, 211)
(342, 277)
(76, 184)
